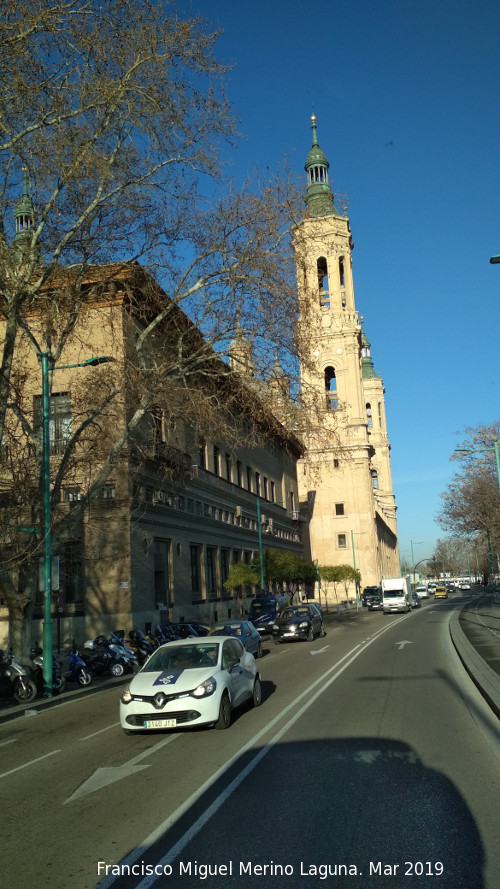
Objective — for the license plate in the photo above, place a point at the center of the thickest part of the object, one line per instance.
(289, 634)
(160, 723)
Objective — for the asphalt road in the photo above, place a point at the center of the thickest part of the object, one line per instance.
(372, 753)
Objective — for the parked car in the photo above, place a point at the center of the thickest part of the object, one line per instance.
(298, 622)
(422, 591)
(244, 631)
(375, 603)
(191, 682)
(367, 592)
(415, 601)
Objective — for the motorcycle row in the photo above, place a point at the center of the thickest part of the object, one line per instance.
(109, 654)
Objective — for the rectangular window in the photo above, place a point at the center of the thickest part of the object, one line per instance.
(108, 492)
(202, 455)
(59, 420)
(71, 573)
(265, 488)
(336, 463)
(249, 478)
(224, 564)
(216, 461)
(229, 468)
(339, 509)
(257, 483)
(341, 541)
(195, 551)
(273, 492)
(162, 571)
(239, 471)
(211, 575)
(71, 495)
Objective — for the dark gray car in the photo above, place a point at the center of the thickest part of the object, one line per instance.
(298, 622)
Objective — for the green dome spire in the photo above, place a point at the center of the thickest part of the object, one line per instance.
(24, 213)
(367, 369)
(319, 198)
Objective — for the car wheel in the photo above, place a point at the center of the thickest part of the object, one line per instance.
(224, 720)
(310, 635)
(257, 693)
(259, 650)
(117, 669)
(322, 632)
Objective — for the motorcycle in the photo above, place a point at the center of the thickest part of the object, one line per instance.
(108, 657)
(79, 671)
(58, 680)
(15, 680)
(142, 647)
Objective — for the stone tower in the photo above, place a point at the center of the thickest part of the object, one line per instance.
(345, 477)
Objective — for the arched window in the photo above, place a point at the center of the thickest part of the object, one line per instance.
(341, 271)
(373, 473)
(331, 389)
(324, 291)
(369, 419)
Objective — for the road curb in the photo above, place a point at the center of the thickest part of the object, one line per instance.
(484, 678)
(40, 704)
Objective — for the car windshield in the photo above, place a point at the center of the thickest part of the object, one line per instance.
(182, 657)
(259, 606)
(294, 612)
(226, 630)
(392, 594)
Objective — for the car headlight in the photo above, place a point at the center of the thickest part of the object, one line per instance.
(303, 624)
(205, 689)
(275, 627)
(126, 697)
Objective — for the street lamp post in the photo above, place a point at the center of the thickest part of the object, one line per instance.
(354, 562)
(46, 530)
(412, 544)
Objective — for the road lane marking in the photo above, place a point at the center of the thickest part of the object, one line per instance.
(10, 741)
(94, 734)
(173, 853)
(30, 763)
(109, 774)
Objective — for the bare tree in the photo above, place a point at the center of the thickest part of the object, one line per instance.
(112, 120)
(471, 503)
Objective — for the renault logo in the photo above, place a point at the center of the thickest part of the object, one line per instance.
(160, 700)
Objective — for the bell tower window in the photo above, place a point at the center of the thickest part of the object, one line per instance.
(324, 291)
(369, 418)
(374, 475)
(331, 389)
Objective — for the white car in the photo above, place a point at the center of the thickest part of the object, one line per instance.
(421, 592)
(191, 682)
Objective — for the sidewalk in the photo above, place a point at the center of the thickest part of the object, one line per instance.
(475, 633)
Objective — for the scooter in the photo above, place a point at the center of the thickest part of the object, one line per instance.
(15, 680)
(79, 671)
(58, 680)
(108, 657)
(140, 645)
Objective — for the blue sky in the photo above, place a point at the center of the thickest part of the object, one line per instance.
(406, 96)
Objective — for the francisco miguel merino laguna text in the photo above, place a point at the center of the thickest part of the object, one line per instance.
(240, 868)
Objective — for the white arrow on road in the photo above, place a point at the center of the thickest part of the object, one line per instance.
(402, 644)
(320, 650)
(108, 775)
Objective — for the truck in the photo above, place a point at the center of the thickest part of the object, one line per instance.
(265, 609)
(396, 594)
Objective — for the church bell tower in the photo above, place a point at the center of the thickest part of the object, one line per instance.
(345, 477)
